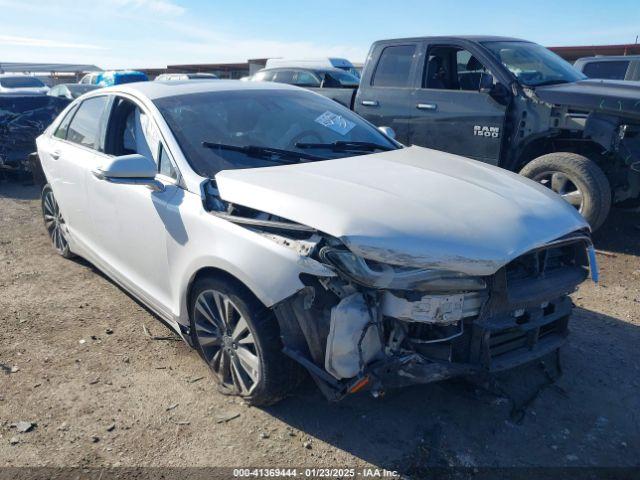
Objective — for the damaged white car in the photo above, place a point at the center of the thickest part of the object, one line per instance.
(278, 232)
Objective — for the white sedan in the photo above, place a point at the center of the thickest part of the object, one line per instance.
(278, 232)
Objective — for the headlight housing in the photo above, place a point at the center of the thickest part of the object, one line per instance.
(374, 274)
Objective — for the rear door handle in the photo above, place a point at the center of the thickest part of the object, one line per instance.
(427, 106)
(55, 155)
(370, 103)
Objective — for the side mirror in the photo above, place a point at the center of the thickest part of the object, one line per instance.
(388, 131)
(486, 83)
(132, 169)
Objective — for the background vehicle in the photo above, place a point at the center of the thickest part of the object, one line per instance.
(314, 63)
(90, 78)
(120, 77)
(615, 67)
(333, 83)
(71, 91)
(283, 231)
(22, 119)
(11, 83)
(185, 76)
(510, 103)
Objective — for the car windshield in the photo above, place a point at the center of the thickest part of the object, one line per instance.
(21, 82)
(275, 119)
(532, 64)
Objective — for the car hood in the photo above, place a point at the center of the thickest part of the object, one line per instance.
(616, 97)
(413, 206)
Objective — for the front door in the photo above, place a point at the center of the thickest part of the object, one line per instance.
(453, 109)
(132, 221)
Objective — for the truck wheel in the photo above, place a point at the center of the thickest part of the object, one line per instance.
(577, 179)
(239, 339)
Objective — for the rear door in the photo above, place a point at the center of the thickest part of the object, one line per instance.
(386, 90)
(74, 150)
(451, 110)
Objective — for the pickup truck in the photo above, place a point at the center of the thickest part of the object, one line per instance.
(510, 103)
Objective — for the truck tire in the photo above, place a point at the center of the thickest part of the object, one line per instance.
(239, 338)
(577, 179)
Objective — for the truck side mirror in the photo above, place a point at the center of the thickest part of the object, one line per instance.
(486, 83)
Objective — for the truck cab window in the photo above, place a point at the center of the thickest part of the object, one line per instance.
(394, 66)
(453, 68)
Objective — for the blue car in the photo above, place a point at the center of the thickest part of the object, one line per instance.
(118, 77)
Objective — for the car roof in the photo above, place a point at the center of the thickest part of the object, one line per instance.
(471, 38)
(162, 89)
(308, 69)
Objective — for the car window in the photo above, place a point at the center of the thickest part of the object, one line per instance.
(284, 76)
(131, 130)
(452, 68)
(265, 76)
(613, 70)
(21, 82)
(61, 131)
(306, 79)
(86, 127)
(165, 165)
(394, 66)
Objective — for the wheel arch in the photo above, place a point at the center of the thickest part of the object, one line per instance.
(545, 144)
(220, 274)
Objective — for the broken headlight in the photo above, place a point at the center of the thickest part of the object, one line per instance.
(394, 277)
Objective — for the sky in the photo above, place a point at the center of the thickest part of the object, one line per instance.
(156, 33)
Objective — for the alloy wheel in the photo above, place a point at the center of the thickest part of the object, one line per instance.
(562, 184)
(226, 341)
(54, 222)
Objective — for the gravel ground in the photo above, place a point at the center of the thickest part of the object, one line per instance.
(77, 364)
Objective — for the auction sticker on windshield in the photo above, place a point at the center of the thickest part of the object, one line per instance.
(335, 122)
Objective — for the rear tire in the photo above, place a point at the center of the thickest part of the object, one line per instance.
(243, 350)
(577, 179)
(54, 223)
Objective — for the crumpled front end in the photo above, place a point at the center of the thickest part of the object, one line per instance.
(382, 329)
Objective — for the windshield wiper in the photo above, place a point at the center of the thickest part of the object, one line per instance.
(263, 152)
(341, 146)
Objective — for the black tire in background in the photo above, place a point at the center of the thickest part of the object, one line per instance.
(214, 339)
(577, 179)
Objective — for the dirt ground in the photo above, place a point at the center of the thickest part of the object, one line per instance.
(77, 362)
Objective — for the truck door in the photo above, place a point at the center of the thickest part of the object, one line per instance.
(386, 90)
(453, 110)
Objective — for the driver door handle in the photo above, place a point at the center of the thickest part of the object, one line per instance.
(370, 103)
(427, 106)
(55, 155)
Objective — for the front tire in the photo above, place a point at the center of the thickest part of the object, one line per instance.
(579, 180)
(54, 223)
(239, 339)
